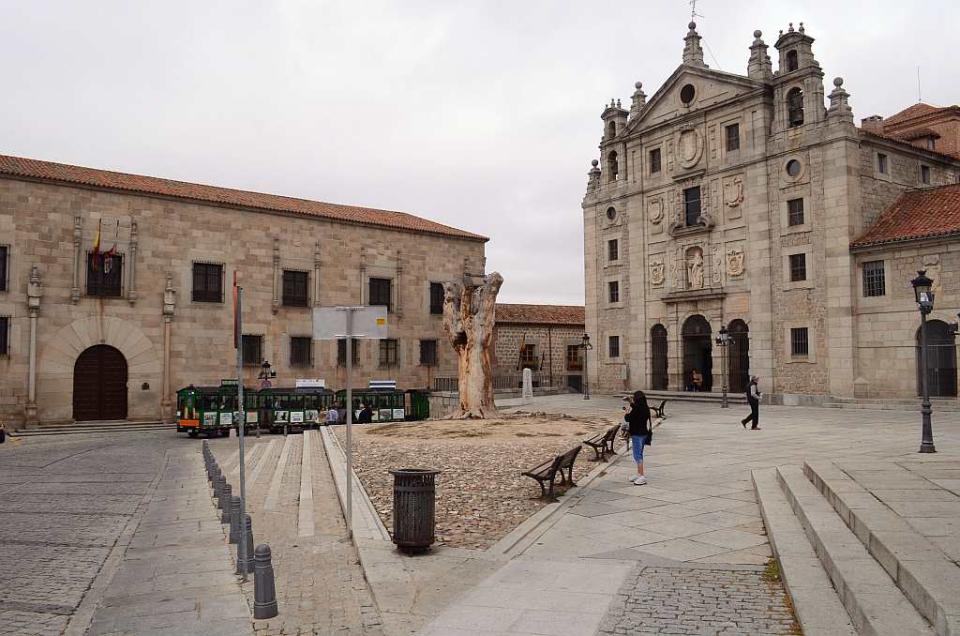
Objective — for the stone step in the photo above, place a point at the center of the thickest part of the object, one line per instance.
(817, 606)
(920, 569)
(654, 397)
(938, 404)
(98, 427)
(873, 601)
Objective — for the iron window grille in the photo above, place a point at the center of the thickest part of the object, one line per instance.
(4, 255)
(4, 335)
(252, 349)
(613, 346)
(799, 342)
(654, 160)
(574, 362)
(388, 353)
(380, 292)
(436, 298)
(207, 283)
(428, 353)
(613, 250)
(300, 351)
(874, 283)
(613, 291)
(691, 205)
(104, 275)
(733, 137)
(342, 351)
(295, 286)
(795, 212)
(798, 267)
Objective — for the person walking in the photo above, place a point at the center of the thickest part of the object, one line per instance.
(753, 398)
(333, 415)
(641, 432)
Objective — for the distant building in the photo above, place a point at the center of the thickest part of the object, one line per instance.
(91, 333)
(746, 202)
(544, 338)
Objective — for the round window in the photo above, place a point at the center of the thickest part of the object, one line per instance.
(687, 93)
(793, 168)
(611, 213)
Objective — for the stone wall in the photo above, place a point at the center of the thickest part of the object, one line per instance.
(160, 238)
(550, 341)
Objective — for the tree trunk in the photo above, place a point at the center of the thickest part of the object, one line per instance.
(468, 319)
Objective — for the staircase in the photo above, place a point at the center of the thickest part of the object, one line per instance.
(865, 547)
(938, 404)
(105, 427)
(694, 396)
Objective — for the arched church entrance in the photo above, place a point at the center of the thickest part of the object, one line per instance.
(941, 361)
(658, 370)
(697, 351)
(100, 385)
(739, 356)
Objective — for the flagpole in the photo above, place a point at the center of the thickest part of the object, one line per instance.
(349, 422)
(241, 416)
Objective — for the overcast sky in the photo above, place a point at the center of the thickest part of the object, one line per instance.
(481, 115)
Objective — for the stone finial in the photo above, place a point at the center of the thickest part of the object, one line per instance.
(169, 297)
(790, 29)
(639, 100)
(839, 103)
(593, 180)
(34, 290)
(759, 67)
(801, 28)
(692, 52)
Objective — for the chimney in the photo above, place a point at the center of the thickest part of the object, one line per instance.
(872, 124)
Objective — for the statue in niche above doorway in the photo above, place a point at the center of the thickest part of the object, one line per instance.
(695, 269)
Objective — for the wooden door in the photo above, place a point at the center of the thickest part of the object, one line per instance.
(739, 352)
(658, 372)
(100, 385)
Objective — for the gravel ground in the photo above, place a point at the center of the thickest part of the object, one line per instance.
(481, 495)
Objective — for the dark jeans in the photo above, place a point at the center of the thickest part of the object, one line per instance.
(754, 414)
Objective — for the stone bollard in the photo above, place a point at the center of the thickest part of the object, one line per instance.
(227, 511)
(235, 520)
(245, 560)
(264, 590)
(218, 487)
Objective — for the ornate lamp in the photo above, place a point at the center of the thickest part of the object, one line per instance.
(923, 290)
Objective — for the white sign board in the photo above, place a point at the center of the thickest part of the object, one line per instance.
(310, 383)
(369, 322)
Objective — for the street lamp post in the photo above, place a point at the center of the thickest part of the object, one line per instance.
(265, 375)
(586, 346)
(922, 289)
(723, 341)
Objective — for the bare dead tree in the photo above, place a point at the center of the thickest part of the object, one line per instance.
(468, 317)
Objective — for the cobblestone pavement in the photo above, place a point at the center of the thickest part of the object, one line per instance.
(320, 585)
(660, 600)
(63, 503)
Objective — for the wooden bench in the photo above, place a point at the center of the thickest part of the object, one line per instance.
(658, 410)
(547, 472)
(602, 443)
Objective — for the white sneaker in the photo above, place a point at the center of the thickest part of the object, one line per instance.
(639, 481)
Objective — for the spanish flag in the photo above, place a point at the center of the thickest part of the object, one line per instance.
(96, 247)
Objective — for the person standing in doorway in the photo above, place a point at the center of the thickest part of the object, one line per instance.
(753, 398)
(640, 432)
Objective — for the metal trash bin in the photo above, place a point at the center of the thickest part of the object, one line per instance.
(414, 504)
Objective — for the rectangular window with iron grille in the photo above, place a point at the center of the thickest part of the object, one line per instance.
(207, 283)
(380, 292)
(252, 349)
(295, 286)
(436, 298)
(795, 212)
(613, 250)
(388, 353)
(799, 342)
(300, 351)
(342, 352)
(613, 346)
(4, 255)
(654, 160)
(733, 137)
(574, 363)
(691, 205)
(874, 283)
(428, 353)
(104, 275)
(881, 163)
(4, 335)
(613, 291)
(798, 267)
(528, 357)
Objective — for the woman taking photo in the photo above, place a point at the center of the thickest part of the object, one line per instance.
(640, 432)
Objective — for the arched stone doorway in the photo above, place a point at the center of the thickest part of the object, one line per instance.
(739, 353)
(658, 362)
(941, 361)
(100, 384)
(697, 350)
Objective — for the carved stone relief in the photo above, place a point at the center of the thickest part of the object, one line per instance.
(678, 270)
(657, 274)
(689, 147)
(655, 212)
(735, 258)
(733, 192)
(716, 264)
(694, 262)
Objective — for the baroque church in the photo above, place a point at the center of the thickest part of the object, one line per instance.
(754, 204)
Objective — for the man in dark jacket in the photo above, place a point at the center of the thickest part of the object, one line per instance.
(366, 415)
(753, 398)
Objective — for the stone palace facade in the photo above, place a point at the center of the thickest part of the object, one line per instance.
(754, 202)
(88, 334)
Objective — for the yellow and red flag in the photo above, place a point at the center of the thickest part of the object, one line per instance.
(96, 247)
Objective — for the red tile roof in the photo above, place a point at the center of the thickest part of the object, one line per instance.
(63, 173)
(919, 214)
(540, 314)
(910, 112)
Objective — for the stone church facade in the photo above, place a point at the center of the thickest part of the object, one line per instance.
(112, 333)
(747, 202)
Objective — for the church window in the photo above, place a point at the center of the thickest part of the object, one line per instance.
(799, 342)
(793, 168)
(798, 267)
(613, 250)
(613, 291)
(881, 163)
(873, 279)
(300, 350)
(436, 298)
(295, 286)
(924, 174)
(654, 160)
(613, 346)
(691, 205)
(612, 129)
(795, 212)
(207, 283)
(611, 213)
(687, 93)
(733, 137)
(612, 166)
(792, 63)
(380, 292)
(4, 252)
(795, 107)
(4, 335)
